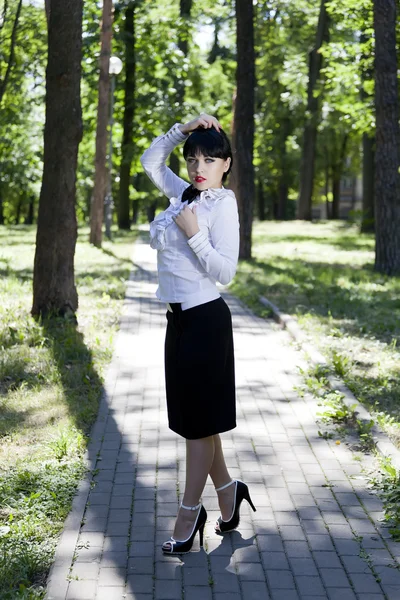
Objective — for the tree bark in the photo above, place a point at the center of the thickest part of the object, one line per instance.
(387, 155)
(368, 175)
(307, 166)
(337, 172)
(124, 221)
(54, 291)
(243, 127)
(260, 201)
(101, 175)
(283, 185)
(368, 159)
(31, 211)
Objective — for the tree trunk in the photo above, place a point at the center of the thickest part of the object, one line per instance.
(310, 130)
(283, 185)
(327, 203)
(124, 221)
(101, 175)
(337, 173)
(54, 291)
(31, 211)
(387, 155)
(3, 83)
(1, 209)
(135, 212)
(368, 170)
(368, 159)
(260, 201)
(244, 121)
(179, 82)
(336, 177)
(151, 211)
(19, 208)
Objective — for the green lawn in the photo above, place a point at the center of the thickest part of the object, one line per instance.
(51, 376)
(322, 273)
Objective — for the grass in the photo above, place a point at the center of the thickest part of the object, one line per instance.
(322, 273)
(51, 376)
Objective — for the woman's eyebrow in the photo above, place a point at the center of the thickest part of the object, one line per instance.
(205, 156)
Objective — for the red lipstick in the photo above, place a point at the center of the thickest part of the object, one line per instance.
(199, 179)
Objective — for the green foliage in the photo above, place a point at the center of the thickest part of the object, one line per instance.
(22, 110)
(387, 483)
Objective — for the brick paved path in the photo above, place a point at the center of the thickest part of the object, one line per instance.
(316, 533)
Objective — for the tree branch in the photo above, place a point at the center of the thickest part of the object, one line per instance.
(3, 84)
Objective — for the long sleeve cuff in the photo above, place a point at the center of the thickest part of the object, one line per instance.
(199, 243)
(176, 135)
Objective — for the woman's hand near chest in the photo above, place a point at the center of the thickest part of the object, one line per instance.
(187, 221)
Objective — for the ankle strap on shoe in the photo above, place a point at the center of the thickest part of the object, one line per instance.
(223, 487)
(191, 507)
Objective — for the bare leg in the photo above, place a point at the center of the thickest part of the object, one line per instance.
(220, 476)
(199, 458)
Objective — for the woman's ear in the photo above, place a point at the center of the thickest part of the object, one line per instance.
(227, 164)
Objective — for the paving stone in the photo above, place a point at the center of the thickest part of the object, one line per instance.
(226, 583)
(342, 594)
(195, 576)
(167, 589)
(82, 590)
(255, 590)
(303, 566)
(111, 593)
(275, 561)
(112, 576)
(197, 593)
(364, 583)
(112, 558)
(308, 584)
(284, 595)
(321, 542)
(250, 571)
(336, 578)
(280, 579)
(329, 560)
(297, 549)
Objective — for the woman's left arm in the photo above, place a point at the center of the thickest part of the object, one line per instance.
(219, 258)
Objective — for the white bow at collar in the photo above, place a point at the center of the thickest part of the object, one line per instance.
(165, 218)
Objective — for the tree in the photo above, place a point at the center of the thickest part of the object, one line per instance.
(10, 62)
(124, 221)
(387, 155)
(243, 122)
(54, 290)
(310, 130)
(100, 180)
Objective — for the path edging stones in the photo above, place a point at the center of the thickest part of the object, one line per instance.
(383, 444)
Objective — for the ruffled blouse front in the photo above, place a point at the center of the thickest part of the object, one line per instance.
(165, 218)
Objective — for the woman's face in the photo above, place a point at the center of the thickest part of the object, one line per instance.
(206, 171)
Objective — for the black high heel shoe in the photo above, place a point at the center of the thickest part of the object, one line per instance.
(241, 493)
(183, 547)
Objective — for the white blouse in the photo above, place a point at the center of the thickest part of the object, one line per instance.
(188, 269)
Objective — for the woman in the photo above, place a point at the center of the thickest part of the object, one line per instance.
(197, 239)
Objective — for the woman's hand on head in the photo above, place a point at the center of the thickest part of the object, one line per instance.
(203, 120)
(187, 221)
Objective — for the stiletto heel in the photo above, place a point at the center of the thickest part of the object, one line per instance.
(247, 497)
(201, 533)
(241, 493)
(173, 546)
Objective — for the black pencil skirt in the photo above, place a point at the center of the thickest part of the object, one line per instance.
(199, 370)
